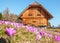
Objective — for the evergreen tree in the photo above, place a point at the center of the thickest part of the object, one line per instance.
(0, 16)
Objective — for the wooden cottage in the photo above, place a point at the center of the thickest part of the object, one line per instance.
(35, 14)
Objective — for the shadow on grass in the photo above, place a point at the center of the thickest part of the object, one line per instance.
(2, 40)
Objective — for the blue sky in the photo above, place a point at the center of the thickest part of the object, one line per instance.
(17, 6)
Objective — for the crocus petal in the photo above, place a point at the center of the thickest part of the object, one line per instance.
(57, 38)
(38, 37)
(45, 34)
(50, 35)
(10, 31)
(41, 32)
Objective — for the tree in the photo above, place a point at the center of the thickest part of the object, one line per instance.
(49, 25)
(58, 26)
(0, 16)
(12, 17)
(6, 14)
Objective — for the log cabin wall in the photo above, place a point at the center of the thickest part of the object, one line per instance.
(34, 17)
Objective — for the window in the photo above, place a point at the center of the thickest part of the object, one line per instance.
(29, 14)
(38, 14)
(34, 21)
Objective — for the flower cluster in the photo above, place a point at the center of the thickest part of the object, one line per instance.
(39, 34)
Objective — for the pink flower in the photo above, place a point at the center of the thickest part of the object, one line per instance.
(10, 31)
(15, 24)
(2, 22)
(50, 35)
(45, 34)
(57, 38)
(7, 22)
(38, 37)
(21, 25)
(30, 29)
(36, 31)
(11, 23)
(41, 32)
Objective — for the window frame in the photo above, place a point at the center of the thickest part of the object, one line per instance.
(38, 14)
(29, 14)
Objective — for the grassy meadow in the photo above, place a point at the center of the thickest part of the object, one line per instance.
(22, 35)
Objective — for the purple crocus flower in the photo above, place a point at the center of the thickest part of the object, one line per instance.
(10, 31)
(36, 31)
(45, 34)
(15, 23)
(2, 21)
(21, 25)
(41, 32)
(30, 29)
(38, 37)
(11, 23)
(57, 38)
(7, 22)
(50, 35)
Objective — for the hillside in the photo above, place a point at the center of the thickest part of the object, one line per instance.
(27, 34)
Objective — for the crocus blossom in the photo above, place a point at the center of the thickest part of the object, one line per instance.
(45, 34)
(36, 31)
(57, 38)
(41, 32)
(2, 21)
(7, 22)
(28, 28)
(50, 35)
(31, 29)
(38, 37)
(10, 31)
